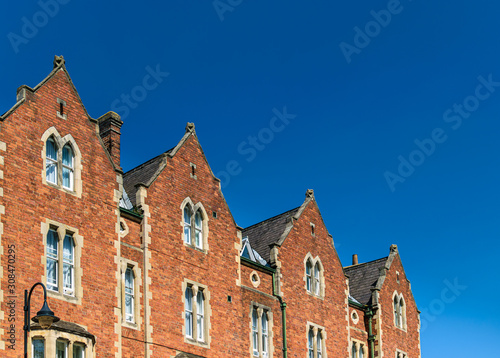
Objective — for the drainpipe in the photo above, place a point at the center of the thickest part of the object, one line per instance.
(371, 337)
(283, 316)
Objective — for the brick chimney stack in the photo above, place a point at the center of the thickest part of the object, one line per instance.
(355, 259)
(110, 131)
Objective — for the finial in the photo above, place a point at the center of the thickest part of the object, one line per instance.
(58, 61)
(190, 127)
(394, 248)
(310, 193)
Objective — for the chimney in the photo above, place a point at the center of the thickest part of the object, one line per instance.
(109, 129)
(355, 259)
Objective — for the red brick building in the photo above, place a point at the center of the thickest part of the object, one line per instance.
(151, 263)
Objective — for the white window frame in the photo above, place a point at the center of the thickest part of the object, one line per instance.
(70, 263)
(309, 279)
(68, 168)
(314, 279)
(399, 311)
(194, 234)
(318, 335)
(51, 162)
(62, 342)
(192, 317)
(130, 292)
(61, 261)
(261, 322)
(53, 257)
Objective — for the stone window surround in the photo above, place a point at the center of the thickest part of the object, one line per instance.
(124, 264)
(270, 323)
(314, 261)
(401, 354)
(77, 173)
(195, 286)
(400, 298)
(205, 219)
(354, 317)
(317, 329)
(50, 337)
(62, 230)
(359, 345)
(125, 230)
(257, 282)
(64, 115)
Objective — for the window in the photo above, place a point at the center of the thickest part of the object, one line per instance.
(78, 351)
(194, 222)
(129, 295)
(68, 263)
(399, 311)
(63, 247)
(38, 348)
(59, 161)
(357, 350)
(195, 314)
(315, 346)
(313, 278)
(261, 328)
(61, 349)
(316, 279)
(309, 276)
(67, 167)
(51, 161)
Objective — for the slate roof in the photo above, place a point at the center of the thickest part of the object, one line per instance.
(142, 174)
(268, 232)
(363, 277)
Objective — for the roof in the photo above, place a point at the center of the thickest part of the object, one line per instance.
(363, 277)
(144, 173)
(268, 232)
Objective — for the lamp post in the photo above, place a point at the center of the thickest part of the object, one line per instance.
(45, 316)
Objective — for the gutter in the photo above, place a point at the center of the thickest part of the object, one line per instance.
(369, 313)
(283, 315)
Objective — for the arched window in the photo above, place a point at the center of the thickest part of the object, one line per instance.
(51, 161)
(316, 279)
(68, 167)
(188, 307)
(396, 311)
(309, 276)
(193, 222)
(200, 315)
(52, 260)
(401, 312)
(68, 265)
(310, 345)
(198, 229)
(187, 224)
(129, 295)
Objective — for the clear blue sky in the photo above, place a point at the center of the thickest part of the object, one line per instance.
(358, 95)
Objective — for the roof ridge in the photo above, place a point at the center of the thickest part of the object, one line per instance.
(272, 217)
(365, 263)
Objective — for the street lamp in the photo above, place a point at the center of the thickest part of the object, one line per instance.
(45, 316)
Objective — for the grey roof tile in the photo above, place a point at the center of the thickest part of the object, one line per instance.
(268, 232)
(363, 277)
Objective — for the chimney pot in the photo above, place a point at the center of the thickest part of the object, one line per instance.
(355, 259)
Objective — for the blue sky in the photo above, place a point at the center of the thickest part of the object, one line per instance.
(388, 110)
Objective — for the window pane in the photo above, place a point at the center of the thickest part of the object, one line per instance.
(200, 309)
(51, 161)
(129, 295)
(61, 349)
(67, 156)
(187, 225)
(255, 333)
(188, 307)
(316, 279)
(361, 351)
(353, 350)
(308, 276)
(319, 345)
(78, 351)
(68, 264)
(38, 348)
(311, 344)
(264, 335)
(52, 259)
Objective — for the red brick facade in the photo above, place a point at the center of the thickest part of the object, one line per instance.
(148, 241)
